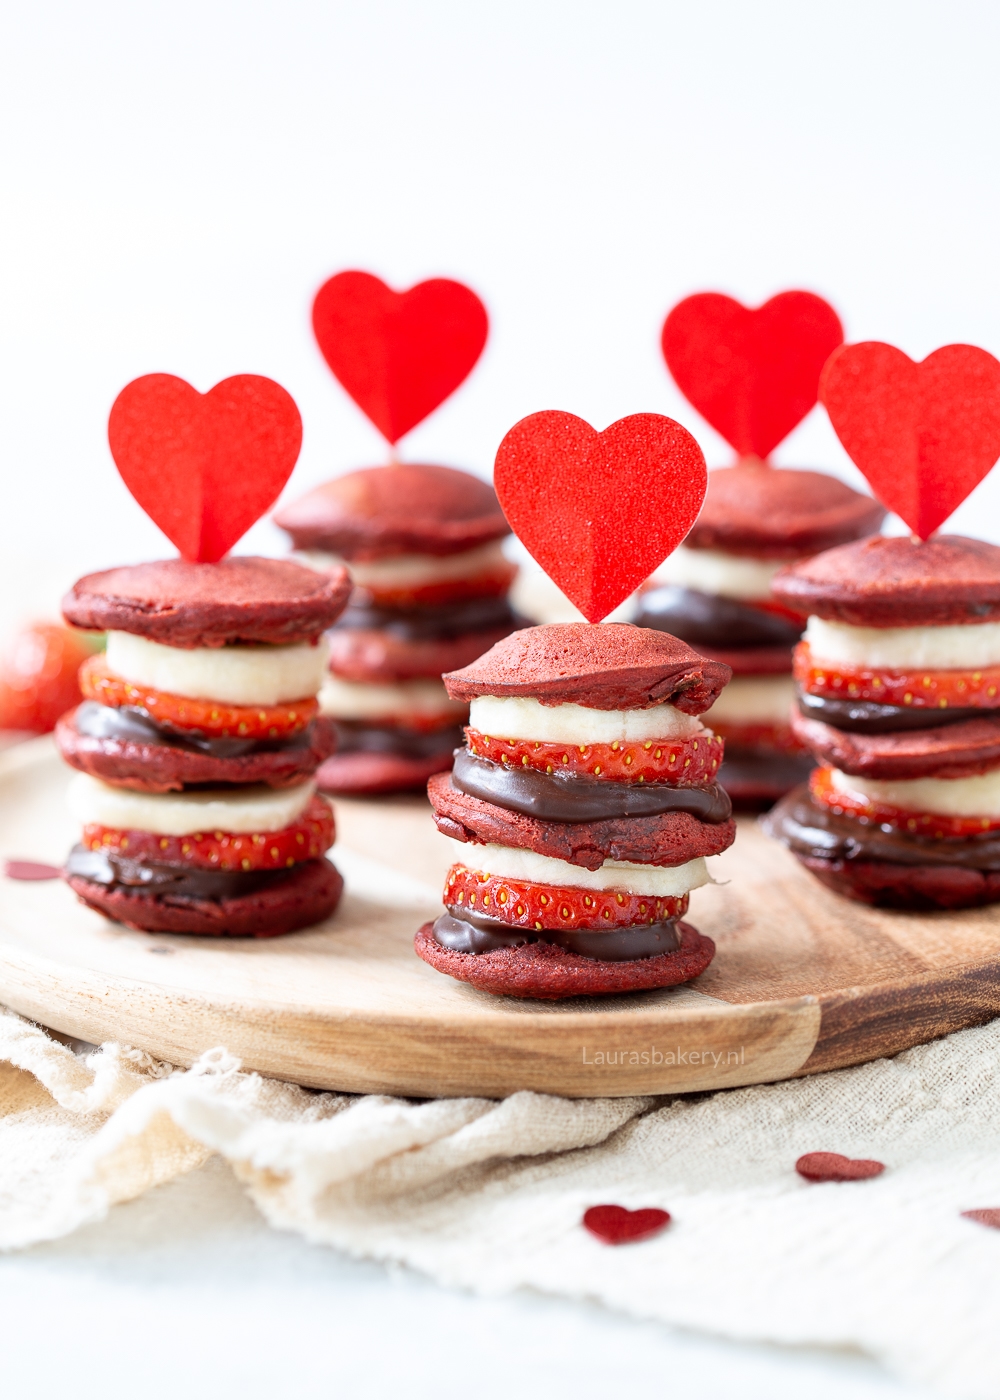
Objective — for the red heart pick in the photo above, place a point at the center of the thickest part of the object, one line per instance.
(989, 1217)
(204, 467)
(831, 1166)
(924, 434)
(599, 511)
(616, 1225)
(398, 354)
(752, 374)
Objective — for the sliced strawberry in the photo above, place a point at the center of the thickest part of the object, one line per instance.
(305, 839)
(856, 804)
(489, 583)
(217, 721)
(38, 676)
(680, 762)
(932, 690)
(528, 905)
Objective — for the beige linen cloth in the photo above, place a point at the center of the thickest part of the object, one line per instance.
(488, 1195)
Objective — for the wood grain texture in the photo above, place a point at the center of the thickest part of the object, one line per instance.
(803, 980)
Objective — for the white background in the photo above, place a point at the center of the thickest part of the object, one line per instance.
(177, 179)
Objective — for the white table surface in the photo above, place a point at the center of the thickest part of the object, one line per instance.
(188, 1293)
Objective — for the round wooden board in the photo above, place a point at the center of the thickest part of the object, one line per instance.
(802, 980)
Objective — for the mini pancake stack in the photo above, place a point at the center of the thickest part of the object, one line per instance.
(423, 544)
(585, 801)
(198, 743)
(899, 701)
(715, 591)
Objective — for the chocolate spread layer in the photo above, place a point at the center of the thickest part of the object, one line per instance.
(463, 932)
(562, 797)
(808, 828)
(868, 717)
(136, 724)
(152, 878)
(431, 623)
(354, 736)
(766, 767)
(704, 619)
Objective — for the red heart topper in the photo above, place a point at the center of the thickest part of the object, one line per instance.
(398, 354)
(599, 511)
(753, 374)
(204, 467)
(924, 434)
(616, 1225)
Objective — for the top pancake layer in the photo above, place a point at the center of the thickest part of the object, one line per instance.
(606, 666)
(895, 581)
(241, 599)
(408, 508)
(779, 514)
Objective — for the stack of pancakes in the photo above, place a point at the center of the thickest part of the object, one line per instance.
(198, 743)
(584, 804)
(715, 592)
(423, 544)
(899, 701)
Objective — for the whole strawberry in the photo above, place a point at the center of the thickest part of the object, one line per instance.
(38, 676)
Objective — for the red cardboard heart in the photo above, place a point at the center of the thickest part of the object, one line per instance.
(616, 1225)
(752, 374)
(599, 511)
(990, 1217)
(398, 354)
(831, 1166)
(204, 467)
(924, 434)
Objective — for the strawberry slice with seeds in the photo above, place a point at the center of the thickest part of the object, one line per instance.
(856, 804)
(678, 762)
(524, 904)
(919, 690)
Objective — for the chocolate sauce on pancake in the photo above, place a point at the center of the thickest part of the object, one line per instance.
(564, 797)
(868, 717)
(764, 767)
(809, 828)
(464, 932)
(178, 881)
(704, 619)
(431, 623)
(132, 723)
(354, 736)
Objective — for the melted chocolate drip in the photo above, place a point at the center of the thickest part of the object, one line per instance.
(809, 828)
(867, 717)
(152, 878)
(564, 797)
(463, 932)
(354, 736)
(430, 623)
(704, 619)
(136, 724)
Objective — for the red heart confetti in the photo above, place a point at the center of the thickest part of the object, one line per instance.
(754, 374)
(924, 434)
(599, 511)
(616, 1225)
(30, 870)
(990, 1217)
(398, 354)
(204, 467)
(831, 1166)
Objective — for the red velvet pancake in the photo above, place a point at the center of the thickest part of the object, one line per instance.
(669, 839)
(612, 666)
(910, 887)
(164, 768)
(953, 751)
(546, 972)
(372, 774)
(773, 513)
(898, 582)
(240, 599)
(309, 893)
(376, 655)
(408, 508)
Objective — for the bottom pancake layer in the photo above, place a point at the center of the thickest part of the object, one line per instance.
(908, 887)
(305, 895)
(756, 778)
(371, 774)
(546, 972)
